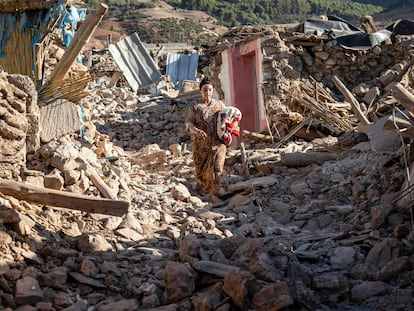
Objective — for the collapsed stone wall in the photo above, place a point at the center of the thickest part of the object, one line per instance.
(326, 59)
(288, 66)
(293, 60)
(19, 123)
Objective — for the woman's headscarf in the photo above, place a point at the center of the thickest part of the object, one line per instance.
(206, 80)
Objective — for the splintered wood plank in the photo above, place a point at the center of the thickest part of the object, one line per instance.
(51, 197)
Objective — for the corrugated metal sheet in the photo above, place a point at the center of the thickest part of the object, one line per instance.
(181, 67)
(134, 60)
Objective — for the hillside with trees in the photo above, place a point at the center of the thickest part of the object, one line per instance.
(264, 12)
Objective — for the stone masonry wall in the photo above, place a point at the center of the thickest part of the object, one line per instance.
(18, 123)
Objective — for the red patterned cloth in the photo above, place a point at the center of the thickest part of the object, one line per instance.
(228, 120)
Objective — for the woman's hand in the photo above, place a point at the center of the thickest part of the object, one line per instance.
(197, 132)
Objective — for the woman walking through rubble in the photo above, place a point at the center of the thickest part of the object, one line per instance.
(209, 151)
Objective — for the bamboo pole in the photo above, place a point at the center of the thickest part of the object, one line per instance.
(244, 160)
(72, 89)
(322, 111)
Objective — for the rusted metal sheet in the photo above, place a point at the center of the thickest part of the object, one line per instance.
(133, 59)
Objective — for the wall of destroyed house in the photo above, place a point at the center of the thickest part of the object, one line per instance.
(280, 68)
(19, 125)
(323, 61)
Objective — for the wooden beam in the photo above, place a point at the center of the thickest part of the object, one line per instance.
(403, 96)
(114, 79)
(38, 61)
(244, 159)
(100, 184)
(257, 136)
(82, 36)
(351, 100)
(396, 123)
(64, 199)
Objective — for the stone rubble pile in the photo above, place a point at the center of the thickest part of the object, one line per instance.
(326, 236)
(18, 124)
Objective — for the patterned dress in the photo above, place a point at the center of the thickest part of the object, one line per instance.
(208, 154)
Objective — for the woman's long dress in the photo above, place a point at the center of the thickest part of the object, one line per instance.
(208, 154)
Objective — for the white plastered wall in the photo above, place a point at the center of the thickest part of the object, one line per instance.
(224, 77)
